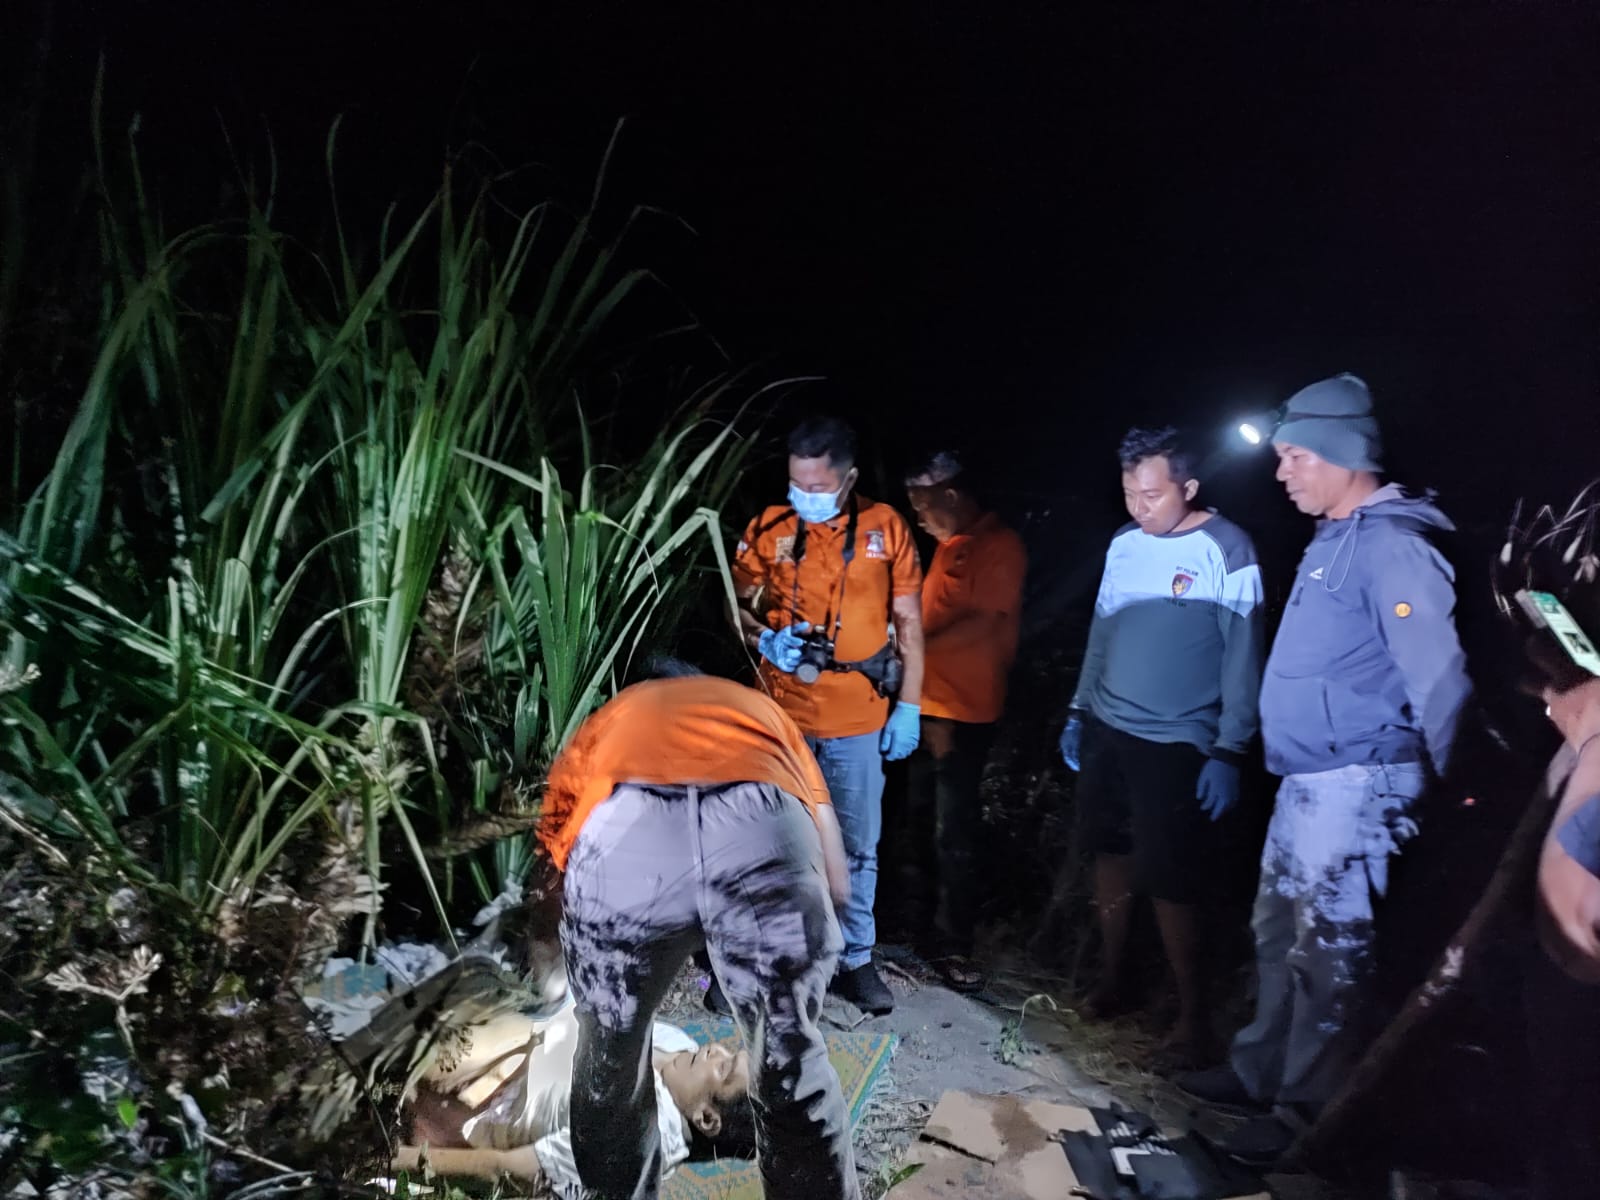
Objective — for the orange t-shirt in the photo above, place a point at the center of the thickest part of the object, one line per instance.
(976, 575)
(840, 703)
(694, 730)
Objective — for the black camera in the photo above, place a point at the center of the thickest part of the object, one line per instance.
(816, 656)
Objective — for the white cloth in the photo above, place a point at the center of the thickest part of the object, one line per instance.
(535, 1103)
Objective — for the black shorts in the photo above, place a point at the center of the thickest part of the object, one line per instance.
(1137, 797)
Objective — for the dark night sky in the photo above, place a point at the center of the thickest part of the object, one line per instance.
(1027, 224)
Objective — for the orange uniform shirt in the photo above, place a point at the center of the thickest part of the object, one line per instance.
(840, 703)
(971, 615)
(695, 730)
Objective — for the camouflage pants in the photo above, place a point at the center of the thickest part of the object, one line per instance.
(1323, 871)
(655, 874)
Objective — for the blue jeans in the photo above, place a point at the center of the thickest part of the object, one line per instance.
(1324, 872)
(853, 770)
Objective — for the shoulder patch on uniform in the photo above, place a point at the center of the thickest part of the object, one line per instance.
(1238, 551)
(875, 543)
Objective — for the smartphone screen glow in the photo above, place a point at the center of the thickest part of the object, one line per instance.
(1548, 611)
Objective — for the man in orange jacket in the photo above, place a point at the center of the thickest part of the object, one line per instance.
(820, 582)
(971, 615)
(689, 813)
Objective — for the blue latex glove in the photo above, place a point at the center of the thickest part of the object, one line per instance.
(1218, 790)
(1072, 740)
(781, 647)
(902, 732)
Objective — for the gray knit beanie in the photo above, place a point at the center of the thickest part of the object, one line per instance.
(1333, 419)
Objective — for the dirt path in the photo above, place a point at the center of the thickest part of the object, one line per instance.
(987, 1044)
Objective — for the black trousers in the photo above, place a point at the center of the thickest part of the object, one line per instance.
(940, 831)
(1137, 797)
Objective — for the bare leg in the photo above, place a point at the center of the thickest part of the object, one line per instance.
(1113, 903)
(1180, 936)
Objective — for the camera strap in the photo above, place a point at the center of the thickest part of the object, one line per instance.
(835, 616)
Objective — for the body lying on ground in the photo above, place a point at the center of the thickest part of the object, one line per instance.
(501, 1105)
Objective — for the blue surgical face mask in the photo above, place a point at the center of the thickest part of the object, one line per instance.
(814, 507)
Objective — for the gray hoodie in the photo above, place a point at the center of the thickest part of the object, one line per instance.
(1367, 667)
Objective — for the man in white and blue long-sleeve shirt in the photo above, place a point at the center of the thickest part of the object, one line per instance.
(1165, 711)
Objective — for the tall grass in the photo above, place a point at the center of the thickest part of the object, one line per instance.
(222, 581)
(579, 580)
(325, 568)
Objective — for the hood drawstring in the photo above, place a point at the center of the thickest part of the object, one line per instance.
(1349, 539)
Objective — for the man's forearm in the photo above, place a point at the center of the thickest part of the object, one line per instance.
(1094, 657)
(747, 624)
(750, 628)
(908, 640)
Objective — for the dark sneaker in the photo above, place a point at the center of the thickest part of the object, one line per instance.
(863, 988)
(715, 1001)
(1221, 1089)
(1260, 1142)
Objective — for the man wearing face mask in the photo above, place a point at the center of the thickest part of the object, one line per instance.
(1164, 713)
(821, 581)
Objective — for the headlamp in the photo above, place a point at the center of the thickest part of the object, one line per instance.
(1258, 428)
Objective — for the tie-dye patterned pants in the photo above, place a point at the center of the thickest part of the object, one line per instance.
(654, 874)
(1324, 870)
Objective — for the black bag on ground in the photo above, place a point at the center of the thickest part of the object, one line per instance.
(1132, 1159)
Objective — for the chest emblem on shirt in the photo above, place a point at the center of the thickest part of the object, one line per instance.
(783, 549)
(875, 546)
(1181, 583)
